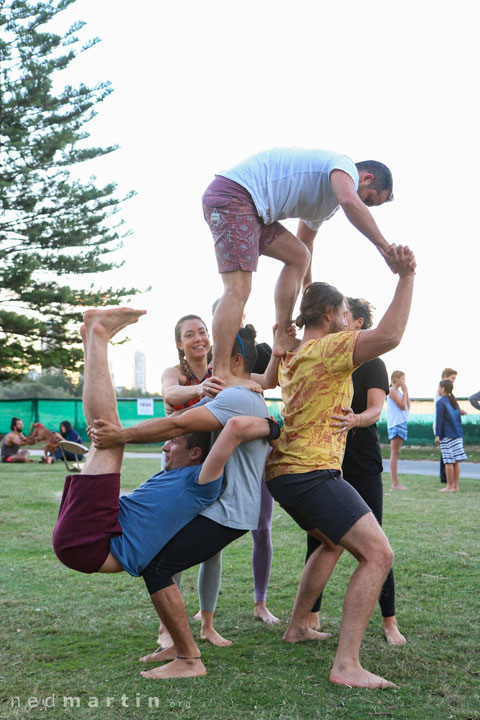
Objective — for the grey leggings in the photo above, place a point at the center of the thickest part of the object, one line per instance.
(210, 572)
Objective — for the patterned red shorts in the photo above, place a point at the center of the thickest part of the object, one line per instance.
(239, 233)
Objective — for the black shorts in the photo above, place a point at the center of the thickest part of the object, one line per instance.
(320, 500)
(196, 542)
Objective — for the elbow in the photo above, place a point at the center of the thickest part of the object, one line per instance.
(269, 384)
(237, 426)
(349, 202)
(391, 340)
(168, 397)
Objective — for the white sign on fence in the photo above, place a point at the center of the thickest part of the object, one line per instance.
(145, 406)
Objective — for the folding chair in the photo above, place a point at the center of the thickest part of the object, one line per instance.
(75, 449)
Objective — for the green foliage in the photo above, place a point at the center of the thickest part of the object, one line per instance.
(51, 225)
(52, 383)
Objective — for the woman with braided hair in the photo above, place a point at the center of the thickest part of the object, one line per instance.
(184, 385)
(188, 382)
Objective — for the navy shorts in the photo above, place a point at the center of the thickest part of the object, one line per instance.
(320, 500)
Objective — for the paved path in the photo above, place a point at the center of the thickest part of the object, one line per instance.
(431, 467)
(405, 467)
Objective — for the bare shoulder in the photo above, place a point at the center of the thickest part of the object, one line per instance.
(175, 375)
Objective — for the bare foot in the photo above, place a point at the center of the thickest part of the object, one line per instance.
(358, 677)
(283, 342)
(110, 321)
(447, 489)
(179, 668)
(198, 615)
(160, 655)
(392, 633)
(261, 612)
(399, 487)
(164, 638)
(210, 634)
(314, 621)
(296, 635)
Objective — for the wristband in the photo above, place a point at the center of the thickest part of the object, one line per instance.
(274, 429)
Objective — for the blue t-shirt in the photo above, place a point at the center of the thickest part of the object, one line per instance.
(156, 511)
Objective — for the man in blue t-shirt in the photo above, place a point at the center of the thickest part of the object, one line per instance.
(235, 511)
(97, 531)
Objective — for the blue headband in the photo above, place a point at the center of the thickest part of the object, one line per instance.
(239, 340)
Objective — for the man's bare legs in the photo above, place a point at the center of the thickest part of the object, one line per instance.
(23, 456)
(99, 398)
(184, 654)
(296, 257)
(368, 543)
(237, 285)
(314, 577)
(395, 447)
(227, 321)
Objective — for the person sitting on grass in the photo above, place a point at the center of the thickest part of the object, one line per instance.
(12, 450)
(98, 532)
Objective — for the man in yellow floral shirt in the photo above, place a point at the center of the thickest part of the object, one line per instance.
(304, 471)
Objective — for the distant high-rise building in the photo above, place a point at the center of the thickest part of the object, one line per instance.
(112, 374)
(140, 373)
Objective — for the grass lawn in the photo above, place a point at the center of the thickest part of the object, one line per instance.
(70, 635)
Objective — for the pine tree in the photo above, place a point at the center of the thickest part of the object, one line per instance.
(52, 225)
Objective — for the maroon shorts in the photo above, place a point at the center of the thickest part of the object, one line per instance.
(239, 233)
(87, 519)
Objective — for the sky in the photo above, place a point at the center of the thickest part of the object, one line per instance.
(200, 86)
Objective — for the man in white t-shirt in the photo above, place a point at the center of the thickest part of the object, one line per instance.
(243, 206)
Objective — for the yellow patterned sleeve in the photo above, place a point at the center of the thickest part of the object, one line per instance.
(337, 352)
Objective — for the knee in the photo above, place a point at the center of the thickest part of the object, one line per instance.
(262, 539)
(303, 256)
(385, 556)
(238, 286)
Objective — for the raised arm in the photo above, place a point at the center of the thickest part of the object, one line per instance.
(105, 434)
(389, 332)
(307, 236)
(400, 401)
(236, 431)
(369, 416)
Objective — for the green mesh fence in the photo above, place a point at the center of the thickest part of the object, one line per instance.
(51, 412)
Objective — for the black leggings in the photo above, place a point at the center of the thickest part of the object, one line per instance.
(196, 542)
(370, 487)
